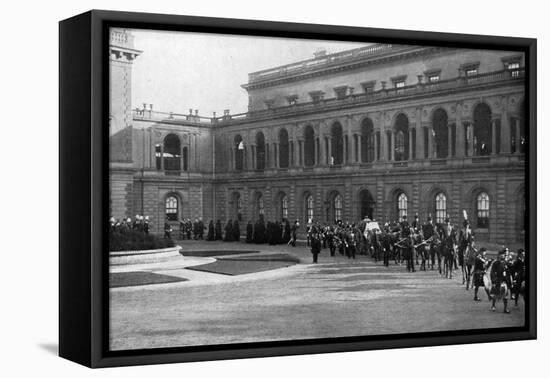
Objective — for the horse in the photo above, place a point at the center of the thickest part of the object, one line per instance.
(468, 260)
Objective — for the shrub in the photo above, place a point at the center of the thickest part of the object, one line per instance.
(132, 240)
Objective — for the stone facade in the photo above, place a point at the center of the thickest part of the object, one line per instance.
(378, 131)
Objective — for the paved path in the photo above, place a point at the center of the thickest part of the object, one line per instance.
(337, 297)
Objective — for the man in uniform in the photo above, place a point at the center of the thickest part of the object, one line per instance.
(500, 277)
(315, 246)
(428, 231)
(518, 275)
(416, 223)
(479, 270)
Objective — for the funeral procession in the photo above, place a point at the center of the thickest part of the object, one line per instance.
(358, 189)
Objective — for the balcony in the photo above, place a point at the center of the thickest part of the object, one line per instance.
(382, 95)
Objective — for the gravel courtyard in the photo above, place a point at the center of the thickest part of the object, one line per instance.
(336, 297)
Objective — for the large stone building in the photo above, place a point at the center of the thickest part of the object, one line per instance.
(379, 131)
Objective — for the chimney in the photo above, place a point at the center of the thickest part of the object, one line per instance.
(190, 111)
(320, 53)
(196, 112)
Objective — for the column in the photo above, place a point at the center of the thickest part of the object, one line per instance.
(392, 146)
(360, 148)
(329, 140)
(181, 158)
(253, 156)
(301, 153)
(518, 135)
(419, 135)
(450, 140)
(471, 141)
(383, 145)
(493, 137)
(322, 150)
(192, 152)
(296, 153)
(376, 146)
(162, 157)
(459, 134)
(505, 133)
(430, 142)
(411, 156)
(316, 151)
(276, 155)
(345, 157)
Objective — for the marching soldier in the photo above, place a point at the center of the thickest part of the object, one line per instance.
(500, 278)
(479, 270)
(518, 275)
(315, 246)
(429, 231)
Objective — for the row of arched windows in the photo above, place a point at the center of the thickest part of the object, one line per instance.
(336, 208)
(439, 141)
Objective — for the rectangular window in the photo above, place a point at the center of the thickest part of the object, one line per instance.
(399, 84)
(513, 67)
(433, 78)
(471, 72)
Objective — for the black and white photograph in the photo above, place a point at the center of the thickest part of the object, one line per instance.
(266, 189)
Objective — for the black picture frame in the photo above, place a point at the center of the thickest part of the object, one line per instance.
(83, 266)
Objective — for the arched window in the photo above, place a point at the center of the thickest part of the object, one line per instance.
(440, 208)
(239, 153)
(309, 207)
(401, 130)
(337, 207)
(283, 149)
(402, 205)
(482, 210)
(441, 133)
(284, 206)
(337, 144)
(260, 151)
(482, 130)
(309, 146)
(367, 204)
(172, 153)
(171, 208)
(367, 141)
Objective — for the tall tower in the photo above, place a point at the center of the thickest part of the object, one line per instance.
(121, 173)
(122, 55)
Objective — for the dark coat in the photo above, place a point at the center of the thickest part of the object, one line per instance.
(228, 231)
(218, 230)
(210, 236)
(236, 231)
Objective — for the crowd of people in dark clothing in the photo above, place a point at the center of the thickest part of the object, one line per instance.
(259, 232)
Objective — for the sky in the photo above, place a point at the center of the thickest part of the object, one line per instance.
(178, 71)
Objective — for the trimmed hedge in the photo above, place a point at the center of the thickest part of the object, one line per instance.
(132, 240)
